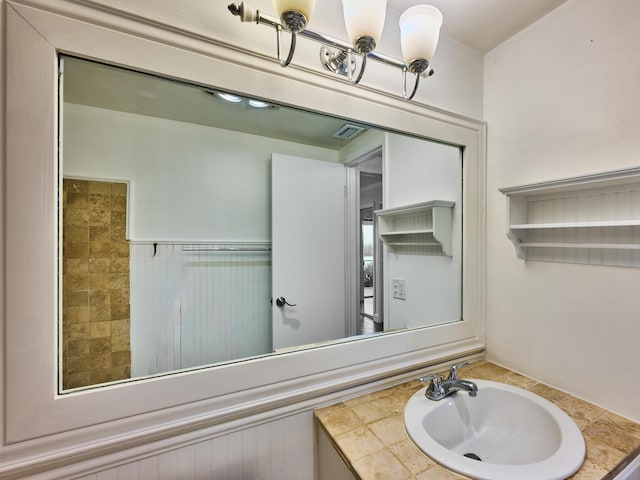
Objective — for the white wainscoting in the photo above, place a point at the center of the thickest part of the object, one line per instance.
(277, 450)
(192, 306)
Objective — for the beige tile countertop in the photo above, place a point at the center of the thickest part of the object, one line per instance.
(369, 433)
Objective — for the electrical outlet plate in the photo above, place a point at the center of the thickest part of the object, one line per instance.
(399, 288)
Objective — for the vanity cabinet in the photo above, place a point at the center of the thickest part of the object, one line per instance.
(421, 228)
(331, 465)
(592, 219)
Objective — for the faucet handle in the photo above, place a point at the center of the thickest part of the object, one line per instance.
(453, 373)
(432, 377)
(434, 390)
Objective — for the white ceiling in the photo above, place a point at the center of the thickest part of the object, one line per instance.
(484, 24)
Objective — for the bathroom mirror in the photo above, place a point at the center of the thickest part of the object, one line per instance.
(202, 227)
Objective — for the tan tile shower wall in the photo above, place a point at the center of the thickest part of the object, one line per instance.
(95, 315)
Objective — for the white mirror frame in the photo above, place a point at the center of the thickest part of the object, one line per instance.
(40, 423)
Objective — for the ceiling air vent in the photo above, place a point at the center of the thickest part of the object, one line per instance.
(347, 131)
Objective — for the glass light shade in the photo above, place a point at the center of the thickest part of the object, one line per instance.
(303, 6)
(364, 19)
(419, 32)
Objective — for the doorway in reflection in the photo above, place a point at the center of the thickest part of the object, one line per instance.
(370, 295)
(370, 316)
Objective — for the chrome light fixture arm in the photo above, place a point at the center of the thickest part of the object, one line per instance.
(419, 68)
(363, 65)
(292, 47)
(295, 22)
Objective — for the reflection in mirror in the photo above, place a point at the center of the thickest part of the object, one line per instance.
(201, 227)
(371, 275)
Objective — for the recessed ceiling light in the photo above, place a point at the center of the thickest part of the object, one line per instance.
(259, 104)
(227, 97)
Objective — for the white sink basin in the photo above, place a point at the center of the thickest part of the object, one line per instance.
(515, 433)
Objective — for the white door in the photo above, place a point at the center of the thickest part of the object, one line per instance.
(308, 228)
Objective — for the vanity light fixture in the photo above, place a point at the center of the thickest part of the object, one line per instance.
(419, 26)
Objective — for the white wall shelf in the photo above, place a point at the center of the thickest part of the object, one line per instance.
(593, 219)
(419, 229)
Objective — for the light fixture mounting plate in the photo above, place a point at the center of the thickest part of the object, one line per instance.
(336, 60)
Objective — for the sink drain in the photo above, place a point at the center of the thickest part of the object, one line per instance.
(473, 456)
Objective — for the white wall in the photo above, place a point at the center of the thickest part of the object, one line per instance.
(419, 171)
(562, 100)
(189, 182)
(371, 194)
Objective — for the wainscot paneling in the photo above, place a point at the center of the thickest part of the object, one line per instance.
(278, 450)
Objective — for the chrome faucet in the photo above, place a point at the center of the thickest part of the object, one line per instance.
(440, 388)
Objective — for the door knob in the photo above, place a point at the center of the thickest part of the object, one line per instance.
(281, 302)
